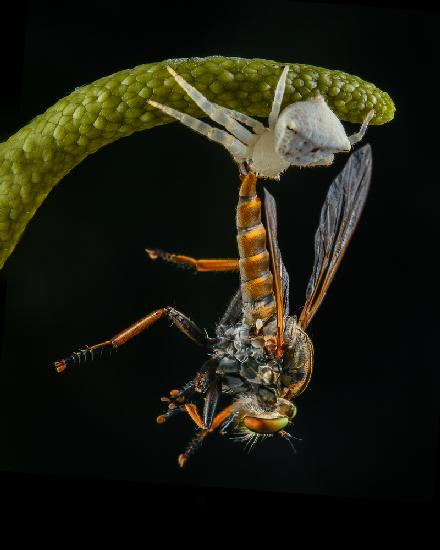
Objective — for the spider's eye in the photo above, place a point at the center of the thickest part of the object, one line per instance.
(265, 425)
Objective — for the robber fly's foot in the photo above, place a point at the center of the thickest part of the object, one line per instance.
(192, 446)
(87, 353)
(178, 397)
(152, 253)
(176, 401)
(60, 366)
(172, 410)
(182, 460)
(175, 404)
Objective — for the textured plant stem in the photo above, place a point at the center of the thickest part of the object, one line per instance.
(39, 155)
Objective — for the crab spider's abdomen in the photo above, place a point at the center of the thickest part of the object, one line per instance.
(308, 132)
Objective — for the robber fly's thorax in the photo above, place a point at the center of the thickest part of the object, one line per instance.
(246, 361)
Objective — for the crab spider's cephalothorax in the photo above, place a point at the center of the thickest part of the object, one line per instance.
(306, 133)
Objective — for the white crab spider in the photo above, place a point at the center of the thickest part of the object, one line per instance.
(306, 133)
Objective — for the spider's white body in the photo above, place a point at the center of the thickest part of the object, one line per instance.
(306, 133)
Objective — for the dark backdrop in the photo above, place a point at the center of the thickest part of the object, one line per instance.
(369, 419)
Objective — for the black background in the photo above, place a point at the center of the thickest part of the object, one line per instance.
(369, 420)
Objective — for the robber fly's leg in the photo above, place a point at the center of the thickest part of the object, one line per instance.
(228, 422)
(193, 412)
(179, 320)
(172, 410)
(220, 264)
(179, 396)
(195, 443)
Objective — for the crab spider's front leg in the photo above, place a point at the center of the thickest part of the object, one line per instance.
(358, 136)
(237, 149)
(278, 98)
(217, 113)
(211, 108)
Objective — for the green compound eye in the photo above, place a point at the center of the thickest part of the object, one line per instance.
(265, 425)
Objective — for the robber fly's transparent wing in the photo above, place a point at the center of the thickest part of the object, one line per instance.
(234, 310)
(280, 275)
(285, 284)
(339, 217)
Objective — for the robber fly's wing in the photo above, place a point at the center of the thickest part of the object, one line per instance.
(234, 310)
(339, 217)
(285, 284)
(280, 276)
(270, 209)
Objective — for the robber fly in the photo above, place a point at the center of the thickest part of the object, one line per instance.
(261, 358)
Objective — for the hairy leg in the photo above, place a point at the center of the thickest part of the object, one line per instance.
(195, 443)
(179, 320)
(220, 264)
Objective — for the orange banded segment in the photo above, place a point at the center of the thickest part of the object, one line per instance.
(253, 266)
(248, 185)
(249, 213)
(263, 312)
(257, 289)
(252, 242)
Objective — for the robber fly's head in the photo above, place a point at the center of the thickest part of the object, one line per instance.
(256, 417)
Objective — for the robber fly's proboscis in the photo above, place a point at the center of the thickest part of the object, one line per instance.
(261, 358)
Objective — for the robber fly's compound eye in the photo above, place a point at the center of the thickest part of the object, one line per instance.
(287, 408)
(265, 425)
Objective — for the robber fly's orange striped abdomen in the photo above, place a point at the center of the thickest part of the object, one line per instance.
(256, 277)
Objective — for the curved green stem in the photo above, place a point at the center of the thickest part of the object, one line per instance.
(39, 155)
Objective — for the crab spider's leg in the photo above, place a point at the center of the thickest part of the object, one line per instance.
(233, 145)
(214, 111)
(256, 125)
(355, 138)
(326, 161)
(278, 98)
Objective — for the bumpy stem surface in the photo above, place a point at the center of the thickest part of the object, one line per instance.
(37, 157)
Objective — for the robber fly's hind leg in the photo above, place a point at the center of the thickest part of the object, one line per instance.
(212, 264)
(179, 320)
